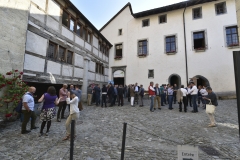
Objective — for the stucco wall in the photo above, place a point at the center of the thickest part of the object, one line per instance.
(238, 14)
(215, 63)
(13, 24)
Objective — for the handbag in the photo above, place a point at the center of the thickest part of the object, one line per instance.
(210, 108)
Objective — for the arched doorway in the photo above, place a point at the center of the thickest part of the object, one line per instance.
(200, 80)
(174, 79)
(118, 77)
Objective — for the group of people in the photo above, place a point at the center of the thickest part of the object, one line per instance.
(114, 93)
(191, 94)
(50, 100)
(159, 96)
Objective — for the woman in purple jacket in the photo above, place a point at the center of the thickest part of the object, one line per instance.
(48, 110)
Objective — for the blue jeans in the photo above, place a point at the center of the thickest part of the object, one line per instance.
(170, 101)
(151, 105)
(194, 102)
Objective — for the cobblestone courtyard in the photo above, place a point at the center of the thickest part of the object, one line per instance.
(150, 135)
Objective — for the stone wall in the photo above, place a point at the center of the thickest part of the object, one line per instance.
(13, 24)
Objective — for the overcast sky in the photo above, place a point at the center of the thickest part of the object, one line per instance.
(100, 11)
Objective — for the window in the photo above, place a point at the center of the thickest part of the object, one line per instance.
(88, 38)
(78, 30)
(61, 54)
(84, 33)
(65, 19)
(142, 48)
(150, 73)
(72, 24)
(197, 13)
(120, 32)
(220, 8)
(100, 46)
(163, 19)
(102, 70)
(171, 44)
(51, 50)
(145, 23)
(199, 40)
(118, 48)
(232, 36)
(96, 68)
(107, 52)
(69, 57)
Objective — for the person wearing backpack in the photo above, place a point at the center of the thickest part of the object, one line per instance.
(28, 110)
(141, 93)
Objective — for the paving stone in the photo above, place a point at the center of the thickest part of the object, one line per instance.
(150, 135)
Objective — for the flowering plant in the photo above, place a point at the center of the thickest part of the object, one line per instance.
(13, 88)
(233, 44)
(201, 48)
(142, 55)
(118, 57)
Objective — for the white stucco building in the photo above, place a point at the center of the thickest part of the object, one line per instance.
(58, 39)
(170, 44)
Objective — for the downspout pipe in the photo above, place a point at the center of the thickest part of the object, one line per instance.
(185, 43)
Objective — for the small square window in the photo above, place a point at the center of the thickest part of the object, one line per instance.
(221, 8)
(163, 19)
(145, 23)
(150, 73)
(120, 32)
(197, 13)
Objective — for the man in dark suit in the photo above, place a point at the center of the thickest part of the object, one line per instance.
(120, 95)
(97, 94)
(110, 94)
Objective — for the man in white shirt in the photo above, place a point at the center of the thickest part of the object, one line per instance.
(204, 93)
(194, 95)
(28, 110)
(184, 92)
(74, 113)
(136, 91)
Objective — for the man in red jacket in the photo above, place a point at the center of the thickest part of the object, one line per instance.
(151, 92)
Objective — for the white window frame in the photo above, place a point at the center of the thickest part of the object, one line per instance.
(193, 13)
(224, 6)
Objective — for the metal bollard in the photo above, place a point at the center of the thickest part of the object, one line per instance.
(123, 140)
(72, 139)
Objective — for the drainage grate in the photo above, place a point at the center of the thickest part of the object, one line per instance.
(210, 151)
